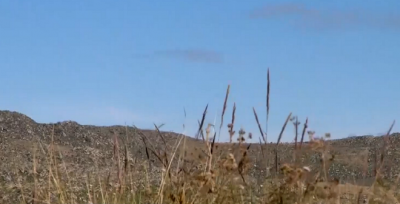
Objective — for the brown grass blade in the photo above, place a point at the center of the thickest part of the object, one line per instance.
(160, 134)
(268, 106)
(149, 146)
(303, 133)
(259, 126)
(387, 136)
(376, 162)
(164, 142)
(202, 122)
(268, 93)
(377, 168)
(213, 143)
(296, 126)
(126, 160)
(386, 144)
(230, 126)
(147, 150)
(261, 148)
(242, 163)
(201, 132)
(223, 110)
(283, 129)
(279, 140)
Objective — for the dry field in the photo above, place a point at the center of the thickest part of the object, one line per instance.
(69, 163)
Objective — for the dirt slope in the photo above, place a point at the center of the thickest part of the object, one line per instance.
(86, 149)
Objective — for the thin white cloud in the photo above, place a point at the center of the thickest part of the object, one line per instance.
(192, 55)
(300, 15)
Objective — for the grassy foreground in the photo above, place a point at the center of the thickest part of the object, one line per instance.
(219, 174)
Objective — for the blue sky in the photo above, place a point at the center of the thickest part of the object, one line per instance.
(139, 62)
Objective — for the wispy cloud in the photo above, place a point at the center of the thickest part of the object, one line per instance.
(301, 16)
(192, 55)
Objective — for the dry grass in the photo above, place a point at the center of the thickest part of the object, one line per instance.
(202, 172)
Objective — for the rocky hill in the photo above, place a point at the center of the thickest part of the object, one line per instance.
(84, 149)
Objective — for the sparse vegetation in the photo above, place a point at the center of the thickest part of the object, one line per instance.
(129, 165)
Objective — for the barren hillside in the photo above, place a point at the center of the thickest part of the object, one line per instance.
(82, 149)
